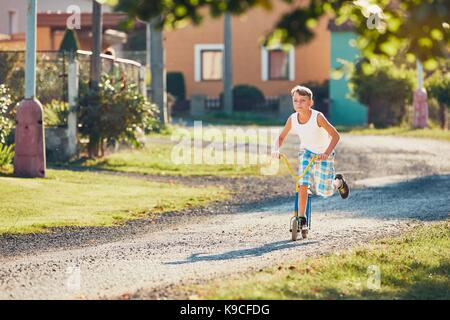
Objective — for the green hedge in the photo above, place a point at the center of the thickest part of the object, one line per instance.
(176, 85)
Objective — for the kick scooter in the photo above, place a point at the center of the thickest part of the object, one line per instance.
(294, 223)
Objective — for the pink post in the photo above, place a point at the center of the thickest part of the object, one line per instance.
(29, 159)
(420, 101)
(420, 105)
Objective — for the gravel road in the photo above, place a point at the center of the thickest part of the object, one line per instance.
(397, 184)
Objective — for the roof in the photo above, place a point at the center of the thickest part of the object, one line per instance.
(59, 20)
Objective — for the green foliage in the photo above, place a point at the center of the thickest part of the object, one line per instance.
(176, 85)
(246, 98)
(6, 155)
(69, 43)
(12, 74)
(5, 121)
(50, 84)
(386, 91)
(419, 26)
(136, 40)
(116, 113)
(438, 88)
(56, 113)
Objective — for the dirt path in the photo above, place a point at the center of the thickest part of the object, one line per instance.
(395, 187)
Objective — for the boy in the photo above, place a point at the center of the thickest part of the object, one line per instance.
(318, 137)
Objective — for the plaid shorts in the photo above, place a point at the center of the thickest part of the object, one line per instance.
(320, 175)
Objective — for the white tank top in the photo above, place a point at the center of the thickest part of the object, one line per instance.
(312, 137)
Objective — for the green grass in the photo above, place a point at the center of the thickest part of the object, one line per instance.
(67, 198)
(412, 266)
(430, 133)
(242, 118)
(156, 158)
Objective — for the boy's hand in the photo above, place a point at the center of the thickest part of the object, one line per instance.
(276, 154)
(323, 156)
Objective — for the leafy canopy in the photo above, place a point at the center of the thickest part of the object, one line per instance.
(386, 27)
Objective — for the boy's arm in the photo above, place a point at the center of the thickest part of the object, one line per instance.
(323, 122)
(279, 141)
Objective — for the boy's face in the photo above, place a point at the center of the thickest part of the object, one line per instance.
(301, 103)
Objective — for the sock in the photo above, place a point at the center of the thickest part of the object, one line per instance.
(337, 183)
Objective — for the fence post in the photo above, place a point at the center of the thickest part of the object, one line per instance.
(198, 105)
(72, 84)
(142, 84)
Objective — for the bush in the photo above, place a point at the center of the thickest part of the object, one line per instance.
(6, 155)
(438, 88)
(117, 113)
(386, 90)
(6, 123)
(246, 98)
(176, 86)
(56, 113)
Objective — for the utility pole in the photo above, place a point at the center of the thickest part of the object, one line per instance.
(228, 66)
(158, 74)
(94, 75)
(29, 159)
(97, 22)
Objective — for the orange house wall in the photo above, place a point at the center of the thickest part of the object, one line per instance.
(43, 39)
(312, 61)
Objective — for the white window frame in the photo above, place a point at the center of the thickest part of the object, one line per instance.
(198, 57)
(265, 63)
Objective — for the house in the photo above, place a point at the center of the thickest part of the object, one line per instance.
(52, 19)
(197, 52)
(343, 110)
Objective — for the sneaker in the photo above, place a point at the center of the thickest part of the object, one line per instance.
(344, 190)
(302, 221)
(303, 227)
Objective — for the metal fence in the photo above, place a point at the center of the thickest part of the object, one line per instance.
(270, 104)
(51, 72)
(128, 71)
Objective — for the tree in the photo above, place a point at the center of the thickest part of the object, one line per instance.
(386, 91)
(385, 26)
(438, 87)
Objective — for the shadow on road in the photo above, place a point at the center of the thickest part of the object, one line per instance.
(244, 253)
(423, 198)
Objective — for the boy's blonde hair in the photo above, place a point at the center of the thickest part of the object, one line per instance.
(303, 91)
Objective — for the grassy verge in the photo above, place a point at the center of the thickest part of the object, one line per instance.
(430, 133)
(156, 158)
(66, 198)
(412, 266)
(242, 118)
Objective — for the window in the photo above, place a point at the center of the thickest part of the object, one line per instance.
(211, 65)
(277, 64)
(208, 62)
